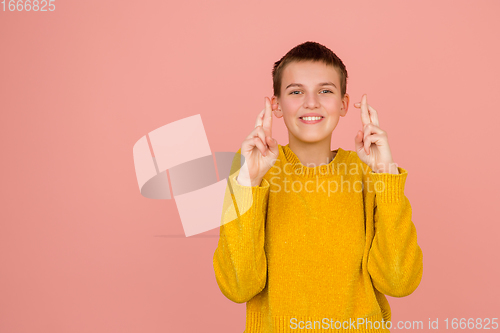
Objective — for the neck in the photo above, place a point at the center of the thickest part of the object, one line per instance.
(312, 153)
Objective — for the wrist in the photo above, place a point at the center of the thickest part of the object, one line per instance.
(391, 168)
(247, 182)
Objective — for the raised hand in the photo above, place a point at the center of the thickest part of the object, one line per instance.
(259, 149)
(371, 143)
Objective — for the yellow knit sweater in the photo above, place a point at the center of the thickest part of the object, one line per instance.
(316, 249)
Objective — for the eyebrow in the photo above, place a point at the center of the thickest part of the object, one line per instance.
(320, 84)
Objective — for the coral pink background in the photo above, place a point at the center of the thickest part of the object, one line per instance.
(82, 251)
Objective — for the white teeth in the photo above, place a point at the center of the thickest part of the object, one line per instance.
(311, 118)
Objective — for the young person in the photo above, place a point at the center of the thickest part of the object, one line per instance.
(313, 239)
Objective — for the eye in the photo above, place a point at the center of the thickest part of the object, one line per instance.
(296, 91)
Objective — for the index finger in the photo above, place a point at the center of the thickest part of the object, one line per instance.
(267, 123)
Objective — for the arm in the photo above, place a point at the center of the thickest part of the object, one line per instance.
(240, 261)
(395, 260)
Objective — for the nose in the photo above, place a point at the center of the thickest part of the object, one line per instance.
(311, 101)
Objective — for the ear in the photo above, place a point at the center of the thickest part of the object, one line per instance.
(345, 105)
(276, 106)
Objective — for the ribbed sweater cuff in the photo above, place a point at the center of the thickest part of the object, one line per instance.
(389, 188)
(246, 195)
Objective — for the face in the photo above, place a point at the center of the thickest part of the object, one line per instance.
(303, 95)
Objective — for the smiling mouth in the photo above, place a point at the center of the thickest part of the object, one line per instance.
(311, 118)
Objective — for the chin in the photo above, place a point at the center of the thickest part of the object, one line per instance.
(313, 138)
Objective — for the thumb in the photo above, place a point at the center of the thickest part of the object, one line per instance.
(273, 144)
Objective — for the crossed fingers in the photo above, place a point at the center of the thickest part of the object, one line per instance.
(372, 133)
(263, 125)
(368, 113)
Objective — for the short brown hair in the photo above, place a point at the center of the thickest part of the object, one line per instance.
(309, 51)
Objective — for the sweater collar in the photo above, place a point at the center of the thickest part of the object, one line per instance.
(320, 170)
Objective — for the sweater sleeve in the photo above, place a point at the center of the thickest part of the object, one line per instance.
(395, 260)
(239, 261)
